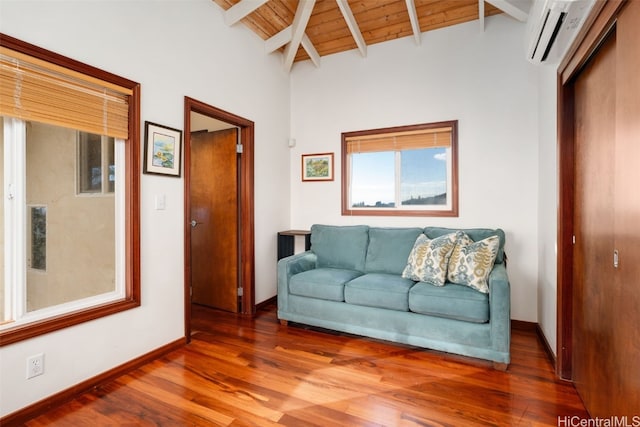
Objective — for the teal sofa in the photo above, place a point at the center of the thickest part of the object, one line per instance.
(351, 281)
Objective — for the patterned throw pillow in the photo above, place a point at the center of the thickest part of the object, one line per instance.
(471, 262)
(428, 259)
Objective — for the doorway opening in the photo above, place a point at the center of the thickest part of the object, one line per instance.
(219, 210)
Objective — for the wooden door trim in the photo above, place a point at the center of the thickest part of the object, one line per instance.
(599, 23)
(246, 199)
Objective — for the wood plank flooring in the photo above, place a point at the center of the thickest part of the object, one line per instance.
(255, 372)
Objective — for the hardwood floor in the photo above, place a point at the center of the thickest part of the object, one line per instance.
(243, 372)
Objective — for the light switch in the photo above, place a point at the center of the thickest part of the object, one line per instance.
(161, 202)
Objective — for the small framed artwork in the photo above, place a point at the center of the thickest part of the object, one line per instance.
(162, 149)
(317, 167)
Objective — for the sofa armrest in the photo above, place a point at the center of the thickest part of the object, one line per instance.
(289, 266)
(500, 308)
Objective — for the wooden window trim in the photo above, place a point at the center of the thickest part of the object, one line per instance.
(346, 136)
(132, 202)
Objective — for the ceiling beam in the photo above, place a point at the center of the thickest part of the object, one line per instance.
(311, 50)
(510, 9)
(241, 9)
(413, 17)
(353, 26)
(481, 13)
(300, 21)
(280, 39)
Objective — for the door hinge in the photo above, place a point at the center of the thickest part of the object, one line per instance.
(240, 292)
(574, 239)
(239, 148)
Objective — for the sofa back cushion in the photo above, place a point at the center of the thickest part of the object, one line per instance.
(389, 249)
(476, 235)
(340, 246)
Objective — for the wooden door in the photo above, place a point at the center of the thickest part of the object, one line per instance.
(593, 227)
(624, 372)
(214, 219)
(606, 303)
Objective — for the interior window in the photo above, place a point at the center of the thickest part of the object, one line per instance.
(96, 168)
(38, 243)
(408, 170)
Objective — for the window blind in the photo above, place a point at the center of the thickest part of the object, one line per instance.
(393, 141)
(34, 89)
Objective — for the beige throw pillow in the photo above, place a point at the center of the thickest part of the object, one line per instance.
(471, 262)
(428, 259)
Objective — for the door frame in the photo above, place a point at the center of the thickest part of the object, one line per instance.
(245, 200)
(596, 28)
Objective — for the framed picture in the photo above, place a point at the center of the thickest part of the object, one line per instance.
(317, 167)
(162, 149)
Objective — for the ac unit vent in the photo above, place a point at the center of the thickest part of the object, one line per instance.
(553, 25)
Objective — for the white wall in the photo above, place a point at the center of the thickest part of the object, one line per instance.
(548, 204)
(479, 78)
(173, 48)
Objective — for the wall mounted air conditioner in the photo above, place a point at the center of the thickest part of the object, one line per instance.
(552, 27)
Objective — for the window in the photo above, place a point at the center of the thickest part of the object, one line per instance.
(407, 170)
(68, 131)
(38, 242)
(96, 167)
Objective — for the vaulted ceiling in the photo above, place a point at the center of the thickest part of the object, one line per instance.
(310, 29)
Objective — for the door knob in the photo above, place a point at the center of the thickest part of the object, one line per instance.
(194, 223)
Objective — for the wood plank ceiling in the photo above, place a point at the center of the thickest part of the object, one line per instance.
(310, 29)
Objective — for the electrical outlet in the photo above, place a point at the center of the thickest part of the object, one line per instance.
(35, 365)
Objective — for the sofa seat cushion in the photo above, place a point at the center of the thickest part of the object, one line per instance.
(322, 283)
(452, 301)
(379, 290)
